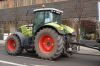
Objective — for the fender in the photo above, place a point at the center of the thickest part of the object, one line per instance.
(61, 28)
(49, 26)
(57, 27)
(54, 24)
(23, 39)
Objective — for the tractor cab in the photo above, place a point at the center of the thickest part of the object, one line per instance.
(46, 15)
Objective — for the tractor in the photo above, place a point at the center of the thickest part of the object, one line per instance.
(47, 37)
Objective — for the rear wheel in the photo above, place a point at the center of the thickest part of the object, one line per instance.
(13, 45)
(48, 44)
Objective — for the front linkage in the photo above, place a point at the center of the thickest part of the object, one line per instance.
(69, 46)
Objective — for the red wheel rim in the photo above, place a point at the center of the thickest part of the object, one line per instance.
(11, 45)
(46, 44)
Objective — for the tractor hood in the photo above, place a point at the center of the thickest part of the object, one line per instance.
(61, 27)
(67, 29)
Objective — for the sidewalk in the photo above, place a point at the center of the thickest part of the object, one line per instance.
(85, 50)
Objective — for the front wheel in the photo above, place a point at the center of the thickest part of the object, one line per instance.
(48, 44)
(13, 45)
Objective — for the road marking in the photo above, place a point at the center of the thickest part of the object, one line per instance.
(11, 63)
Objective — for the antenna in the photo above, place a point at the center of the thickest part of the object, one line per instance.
(45, 1)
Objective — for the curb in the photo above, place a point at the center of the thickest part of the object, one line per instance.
(88, 51)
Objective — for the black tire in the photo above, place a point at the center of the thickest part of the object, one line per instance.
(58, 44)
(9, 46)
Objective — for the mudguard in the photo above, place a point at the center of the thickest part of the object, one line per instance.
(63, 29)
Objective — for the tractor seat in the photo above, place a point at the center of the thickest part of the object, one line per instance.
(26, 31)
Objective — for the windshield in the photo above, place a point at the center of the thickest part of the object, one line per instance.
(48, 16)
(56, 17)
(42, 17)
(52, 17)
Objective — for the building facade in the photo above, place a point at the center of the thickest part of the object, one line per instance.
(82, 15)
(18, 3)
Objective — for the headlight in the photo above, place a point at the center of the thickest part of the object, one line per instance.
(74, 37)
(74, 34)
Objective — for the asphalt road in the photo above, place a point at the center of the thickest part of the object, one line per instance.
(27, 59)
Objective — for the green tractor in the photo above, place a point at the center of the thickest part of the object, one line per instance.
(47, 36)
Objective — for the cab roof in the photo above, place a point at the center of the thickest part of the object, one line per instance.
(51, 9)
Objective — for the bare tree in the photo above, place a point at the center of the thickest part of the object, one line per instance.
(79, 10)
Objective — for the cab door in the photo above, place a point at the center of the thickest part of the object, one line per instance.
(38, 20)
